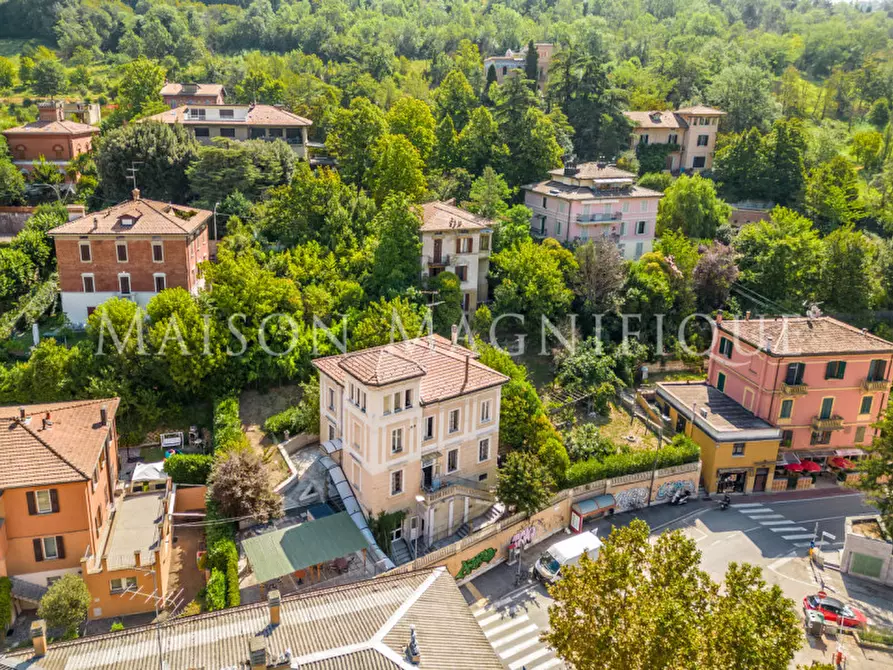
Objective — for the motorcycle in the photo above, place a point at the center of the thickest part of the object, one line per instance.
(680, 497)
(725, 502)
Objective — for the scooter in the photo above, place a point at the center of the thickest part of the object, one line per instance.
(680, 497)
(725, 502)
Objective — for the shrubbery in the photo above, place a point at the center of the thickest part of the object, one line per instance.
(680, 450)
(302, 418)
(227, 425)
(215, 593)
(189, 468)
(223, 559)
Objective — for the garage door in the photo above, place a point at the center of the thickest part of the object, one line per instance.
(869, 566)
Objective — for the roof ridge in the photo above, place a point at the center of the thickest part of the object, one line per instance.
(173, 219)
(53, 451)
(74, 405)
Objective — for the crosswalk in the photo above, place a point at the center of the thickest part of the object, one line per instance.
(800, 536)
(514, 636)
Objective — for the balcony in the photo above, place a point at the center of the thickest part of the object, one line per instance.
(599, 218)
(451, 485)
(831, 423)
(439, 261)
(794, 389)
(873, 385)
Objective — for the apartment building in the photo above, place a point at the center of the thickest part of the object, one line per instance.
(416, 427)
(52, 136)
(133, 250)
(240, 122)
(594, 200)
(512, 61)
(691, 129)
(457, 241)
(822, 382)
(176, 95)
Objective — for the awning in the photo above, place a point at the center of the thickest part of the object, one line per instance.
(591, 505)
(148, 472)
(841, 462)
(849, 453)
(815, 453)
(787, 457)
(282, 552)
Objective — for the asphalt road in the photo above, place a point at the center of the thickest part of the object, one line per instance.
(774, 534)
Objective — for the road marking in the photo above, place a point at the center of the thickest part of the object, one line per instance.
(539, 653)
(781, 561)
(490, 619)
(514, 636)
(786, 522)
(763, 515)
(786, 529)
(808, 500)
(508, 624)
(473, 590)
(797, 537)
(551, 663)
(514, 651)
(745, 505)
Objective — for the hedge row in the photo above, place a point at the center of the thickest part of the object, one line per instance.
(227, 425)
(189, 468)
(223, 559)
(680, 450)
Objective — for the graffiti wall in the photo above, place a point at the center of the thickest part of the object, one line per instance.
(631, 498)
(666, 490)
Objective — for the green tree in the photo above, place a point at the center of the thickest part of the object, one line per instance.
(524, 483)
(832, 195)
(395, 264)
(456, 99)
(622, 610)
(492, 78)
(240, 484)
(17, 273)
(139, 90)
(413, 119)
(398, 169)
(601, 277)
(531, 65)
(656, 181)
(448, 299)
(353, 136)
(50, 78)
(489, 194)
(848, 273)
(479, 145)
(162, 153)
(785, 149)
(877, 468)
(713, 276)
(512, 228)
(741, 167)
(867, 148)
(879, 115)
(7, 73)
(380, 323)
(692, 207)
(446, 149)
(744, 92)
(12, 183)
(65, 604)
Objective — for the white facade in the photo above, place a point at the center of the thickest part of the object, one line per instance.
(471, 262)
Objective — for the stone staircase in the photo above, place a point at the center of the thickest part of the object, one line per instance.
(492, 515)
(400, 552)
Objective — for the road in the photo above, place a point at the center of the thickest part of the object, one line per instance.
(771, 533)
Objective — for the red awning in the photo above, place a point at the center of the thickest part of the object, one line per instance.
(811, 466)
(794, 467)
(844, 463)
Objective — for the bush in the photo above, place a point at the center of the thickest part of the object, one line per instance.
(227, 425)
(5, 605)
(216, 591)
(680, 450)
(189, 468)
(116, 626)
(877, 635)
(223, 557)
(65, 604)
(586, 442)
(192, 608)
(302, 418)
(233, 596)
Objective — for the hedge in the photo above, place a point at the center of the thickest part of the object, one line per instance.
(189, 468)
(223, 556)
(5, 605)
(680, 450)
(227, 425)
(215, 593)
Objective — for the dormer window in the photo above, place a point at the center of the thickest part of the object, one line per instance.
(126, 221)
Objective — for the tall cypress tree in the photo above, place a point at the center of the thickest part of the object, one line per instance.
(531, 65)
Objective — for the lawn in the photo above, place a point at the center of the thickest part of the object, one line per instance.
(619, 429)
(256, 407)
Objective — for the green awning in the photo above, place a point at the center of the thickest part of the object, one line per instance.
(281, 552)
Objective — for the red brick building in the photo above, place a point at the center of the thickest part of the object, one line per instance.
(175, 95)
(51, 136)
(133, 250)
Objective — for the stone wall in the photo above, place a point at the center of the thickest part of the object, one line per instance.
(13, 219)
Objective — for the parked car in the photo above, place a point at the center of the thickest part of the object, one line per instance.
(566, 552)
(835, 611)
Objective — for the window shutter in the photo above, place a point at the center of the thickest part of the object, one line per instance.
(458, 245)
(54, 500)
(842, 370)
(38, 550)
(60, 546)
(829, 369)
(32, 503)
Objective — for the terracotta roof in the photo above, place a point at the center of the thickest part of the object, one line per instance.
(703, 110)
(802, 336)
(596, 171)
(571, 192)
(67, 451)
(258, 115)
(174, 88)
(52, 128)
(151, 217)
(444, 216)
(441, 366)
(359, 626)
(663, 119)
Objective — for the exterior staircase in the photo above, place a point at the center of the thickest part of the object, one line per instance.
(493, 515)
(400, 552)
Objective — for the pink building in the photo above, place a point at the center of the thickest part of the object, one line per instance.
(821, 381)
(692, 129)
(594, 200)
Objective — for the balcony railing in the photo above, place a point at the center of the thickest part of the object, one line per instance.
(794, 389)
(443, 487)
(439, 261)
(831, 423)
(872, 385)
(599, 218)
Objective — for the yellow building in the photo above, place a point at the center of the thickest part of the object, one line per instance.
(738, 450)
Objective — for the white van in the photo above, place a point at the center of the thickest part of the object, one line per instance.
(567, 552)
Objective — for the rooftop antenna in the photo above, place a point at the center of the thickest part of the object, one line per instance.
(133, 169)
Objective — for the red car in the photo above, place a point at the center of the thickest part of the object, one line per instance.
(835, 610)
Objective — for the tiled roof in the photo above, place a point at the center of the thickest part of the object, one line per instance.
(151, 217)
(595, 170)
(446, 370)
(571, 192)
(360, 626)
(663, 119)
(444, 216)
(52, 128)
(65, 452)
(199, 89)
(701, 109)
(802, 336)
(258, 115)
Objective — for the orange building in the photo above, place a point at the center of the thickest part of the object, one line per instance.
(58, 509)
(51, 136)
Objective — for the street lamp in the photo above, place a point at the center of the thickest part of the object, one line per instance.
(419, 499)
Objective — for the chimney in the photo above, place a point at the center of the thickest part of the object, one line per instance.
(39, 637)
(137, 558)
(257, 653)
(412, 649)
(135, 193)
(22, 413)
(718, 318)
(747, 315)
(769, 344)
(274, 600)
(50, 111)
(47, 422)
(864, 332)
(104, 415)
(454, 334)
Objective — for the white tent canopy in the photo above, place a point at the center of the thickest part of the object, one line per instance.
(148, 472)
